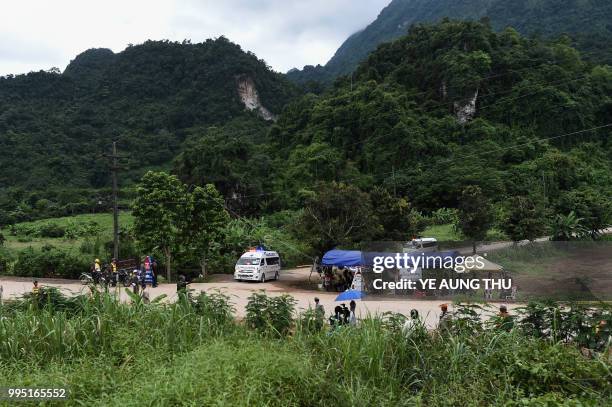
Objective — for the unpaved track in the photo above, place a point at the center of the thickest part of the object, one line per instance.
(293, 282)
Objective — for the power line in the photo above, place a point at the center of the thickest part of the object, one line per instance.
(525, 144)
(394, 173)
(222, 203)
(370, 139)
(115, 192)
(503, 100)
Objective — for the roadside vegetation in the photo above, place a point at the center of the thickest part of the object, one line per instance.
(382, 155)
(194, 352)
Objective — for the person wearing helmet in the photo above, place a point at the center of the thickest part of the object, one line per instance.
(35, 288)
(113, 269)
(97, 271)
(445, 318)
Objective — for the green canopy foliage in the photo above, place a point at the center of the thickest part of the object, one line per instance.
(448, 106)
(540, 123)
(172, 220)
(585, 22)
(55, 127)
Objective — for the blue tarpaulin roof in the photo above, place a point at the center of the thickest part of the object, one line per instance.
(345, 258)
(351, 258)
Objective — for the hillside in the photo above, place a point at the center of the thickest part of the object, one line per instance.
(521, 124)
(55, 127)
(586, 21)
(452, 105)
(447, 106)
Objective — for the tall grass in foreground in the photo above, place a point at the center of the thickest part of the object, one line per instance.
(54, 327)
(193, 353)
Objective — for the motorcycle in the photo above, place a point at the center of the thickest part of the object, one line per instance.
(123, 278)
(93, 278)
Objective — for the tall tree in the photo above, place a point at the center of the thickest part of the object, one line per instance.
(525, 218)
(160, 209)
(202, 229)
(338, 214)
(593, 209)
(398, 219)
(475, 214)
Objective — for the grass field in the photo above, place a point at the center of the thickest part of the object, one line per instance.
(60, 247)
(559, 270)
(448, 233)
(104, 221)
(193, 353)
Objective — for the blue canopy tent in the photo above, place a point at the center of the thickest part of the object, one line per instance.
(353, 258)
(343, 258)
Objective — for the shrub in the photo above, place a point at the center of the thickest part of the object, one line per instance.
(49, 263)
(270, 315)
(5, 261)
(214, 307)
(444, 216)
(51, 230)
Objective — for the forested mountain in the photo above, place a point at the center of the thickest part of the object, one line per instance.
(445, 107)
(55, 127)
(587, 22)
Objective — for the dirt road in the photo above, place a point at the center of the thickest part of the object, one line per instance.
(293, 282)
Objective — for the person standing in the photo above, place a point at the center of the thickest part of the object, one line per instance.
(411, 323)
(505, 321)
(336, 319)
(319, 314)
(181, 285)
(114, 279)
(319, 309)
(327, 279)
(135, 281)
(346, 314)
(445, 318)
(353, 316)
(97, 271)
(154, 271)
(35, 288)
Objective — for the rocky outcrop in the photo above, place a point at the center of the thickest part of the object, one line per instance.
(250, 98)
(465, 111)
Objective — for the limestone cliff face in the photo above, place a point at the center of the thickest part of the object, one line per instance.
(466, 111)
(250, 98)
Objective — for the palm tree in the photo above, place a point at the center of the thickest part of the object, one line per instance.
(568, 227)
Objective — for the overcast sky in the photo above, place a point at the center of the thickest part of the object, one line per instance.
(42, 34)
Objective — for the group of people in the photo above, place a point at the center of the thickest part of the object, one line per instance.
(139, 278)
(342, 315)
(336, 278)
(503, 319)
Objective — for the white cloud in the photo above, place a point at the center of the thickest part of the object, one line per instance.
(286, 33)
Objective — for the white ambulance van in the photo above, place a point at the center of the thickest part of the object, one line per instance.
(258, 265)
(424, 244)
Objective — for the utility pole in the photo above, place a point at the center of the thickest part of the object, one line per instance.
(114, 170)
(393, 177)
(114, 167)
